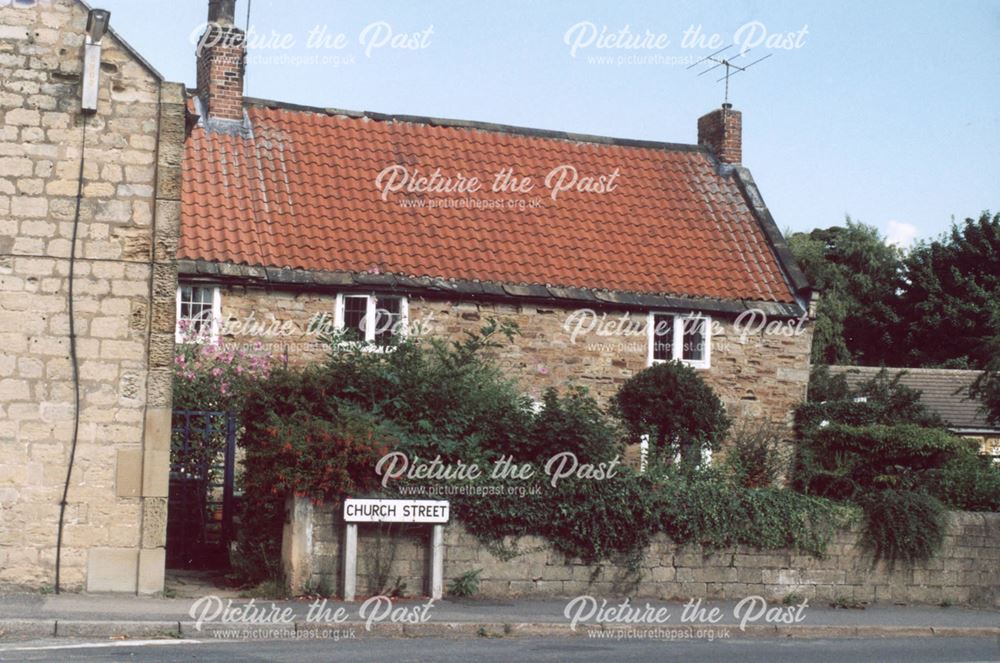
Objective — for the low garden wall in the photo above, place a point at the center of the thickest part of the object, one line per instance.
(395, 559)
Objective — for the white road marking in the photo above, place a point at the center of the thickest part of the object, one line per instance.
(99, 645)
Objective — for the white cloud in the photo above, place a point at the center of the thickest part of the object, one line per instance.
(901, 234)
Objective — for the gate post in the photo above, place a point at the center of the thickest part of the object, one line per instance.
(350, 561)
(437, 562)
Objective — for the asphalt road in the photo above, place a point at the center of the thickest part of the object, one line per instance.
(524, 650)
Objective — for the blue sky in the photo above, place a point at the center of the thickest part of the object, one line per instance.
(887, 111)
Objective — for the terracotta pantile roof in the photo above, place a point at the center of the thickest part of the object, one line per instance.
(944, 391)
(301, 193)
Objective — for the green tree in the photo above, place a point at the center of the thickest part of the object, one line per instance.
(679, 412)
(858, 275)
(950, 300)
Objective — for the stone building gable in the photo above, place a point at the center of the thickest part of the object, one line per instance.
(124, 284)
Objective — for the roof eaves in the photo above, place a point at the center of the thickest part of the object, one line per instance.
(299, 278)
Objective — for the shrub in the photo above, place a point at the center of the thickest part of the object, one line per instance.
(297, 439)
(968, 481)
(571, 422)
(716, 514)
(671, 404)
(826, 387)
(443, 398)
(757, 454)
(841, 462)
(617, 518)
(902, 525)
(887, 402)
(210, 376)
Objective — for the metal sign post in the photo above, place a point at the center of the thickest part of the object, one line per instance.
(432, 512)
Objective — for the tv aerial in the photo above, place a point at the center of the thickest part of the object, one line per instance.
(731, 67)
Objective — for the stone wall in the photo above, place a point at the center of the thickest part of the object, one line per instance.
(765, 375)
(125, 281)
(966, 571)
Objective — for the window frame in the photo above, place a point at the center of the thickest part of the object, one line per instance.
(677, 340)
(214, 327)
(369, 344)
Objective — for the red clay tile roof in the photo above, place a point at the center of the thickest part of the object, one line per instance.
(301, 193)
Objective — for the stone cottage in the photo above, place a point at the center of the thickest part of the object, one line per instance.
(610, 254)
(89, 215)
(132, 209)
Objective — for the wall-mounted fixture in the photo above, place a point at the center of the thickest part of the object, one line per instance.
(97, 27)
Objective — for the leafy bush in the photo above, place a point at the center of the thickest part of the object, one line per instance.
(968, 481)
(841, 462)
(443, 398)
(757, 453)
(617, 518)
(679, 412)
(572, 422)
(824, 386)
(886, 402)
(297, 439)
(210, 376)
(716, 514)
(903, 525)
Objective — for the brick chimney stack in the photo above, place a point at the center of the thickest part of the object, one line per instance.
(722, 132)
(221, 63)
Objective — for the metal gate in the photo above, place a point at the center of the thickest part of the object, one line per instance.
(201, 504)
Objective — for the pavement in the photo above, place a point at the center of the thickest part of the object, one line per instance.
(34, 616)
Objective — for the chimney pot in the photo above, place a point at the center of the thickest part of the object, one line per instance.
(222, 11)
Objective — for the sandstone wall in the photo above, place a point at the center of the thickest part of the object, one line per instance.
(124, 298)
(966, 571)
(765, 375)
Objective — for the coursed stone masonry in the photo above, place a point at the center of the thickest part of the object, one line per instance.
(124, 300)
(966, 571)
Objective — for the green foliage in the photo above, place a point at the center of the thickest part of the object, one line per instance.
(987, 386)
(297, 440)
(679, 412)
(968, 481)
(616, 519)
(442, 398)
(884, 400)
(757, 453)
(844, 462)
(319, 431)
(210, 376)
(570, 422)
(903, 525)
(466, 584)
(950, 299)
(936, 305)
(823, 386)
(716, 514)
(858, 274)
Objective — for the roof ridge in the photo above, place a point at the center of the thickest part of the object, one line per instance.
(454, 123)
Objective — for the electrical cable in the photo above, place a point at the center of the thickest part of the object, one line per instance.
(72, 356)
